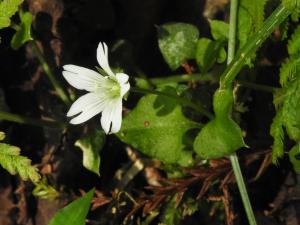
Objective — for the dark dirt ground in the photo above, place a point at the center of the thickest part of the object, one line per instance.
(68, 32)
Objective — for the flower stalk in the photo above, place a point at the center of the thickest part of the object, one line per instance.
(30, 121)
(55, 82)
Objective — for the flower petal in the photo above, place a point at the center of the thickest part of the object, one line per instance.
(82, 78)
(112, 116)
(124, 89)
(122, 78)
(117, 117)
(102, 57)
(81, 103)
(90, 111)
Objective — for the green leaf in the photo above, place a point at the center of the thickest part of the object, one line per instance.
(208, 52)
(219, 30)
(289, 71)
(294, 43)
(256, 9)
(157, 127)
(291, 110)
(91, 146)
(221, 136)
(74, 213)
(277, 133)
(13, 162)
(7, 9)
(294, 156)
(244, 26)
(177, 43)
(23, 33)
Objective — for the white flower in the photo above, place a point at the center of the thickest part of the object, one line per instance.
(105, 92)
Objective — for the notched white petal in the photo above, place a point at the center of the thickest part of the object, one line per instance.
(82, 78)
(102, 57)
(89, 112)
(81, 103)
(111, 118)
(117, 118)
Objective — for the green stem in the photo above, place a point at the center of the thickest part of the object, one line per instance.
(211, 78)
(30, 121)
(242, 188)
(56, 84)
(258, 87)
(180, 100)
(182, 78)
(233, 157)
(232, 30)
(255, 41)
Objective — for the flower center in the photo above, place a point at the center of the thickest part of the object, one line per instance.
(115, 90)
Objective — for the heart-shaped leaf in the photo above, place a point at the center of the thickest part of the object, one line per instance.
(157, 127)
(177, 43)
(221, 136)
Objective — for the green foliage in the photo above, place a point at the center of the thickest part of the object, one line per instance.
(45, 191)
(177, 43)
(289, 71)
(294, 156)
(291, 4)
(294, 43)
(91, 146)
(287, 100)
(23, 33)
(277, 132)
(172, 214)
(208, 52)
(157, 127)
(291, 110)
(13, 162)
(256, 10)
(74, 213)
(7, 9)
(219, 30)
(244, 26)
(221, 136)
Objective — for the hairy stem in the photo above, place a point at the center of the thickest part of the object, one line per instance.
(55, 82)
(30, 121)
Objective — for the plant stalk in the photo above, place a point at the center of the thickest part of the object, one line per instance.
(233, 157)
(242, 188)
(30, 121)
(55, 82)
